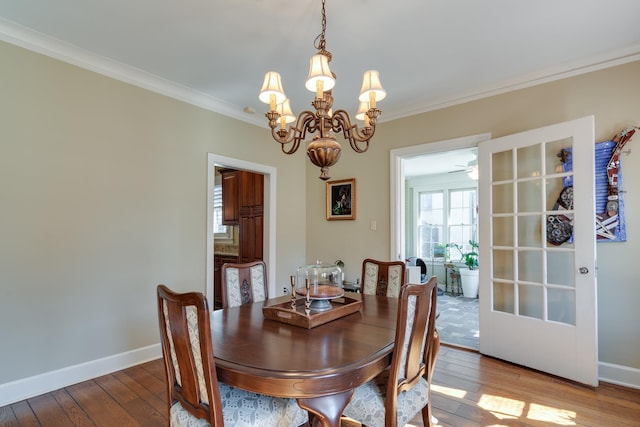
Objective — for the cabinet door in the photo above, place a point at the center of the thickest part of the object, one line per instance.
(247, 238)
(258, 236)
(258, 190)
(251, 189)
(230, 189)
(251, 240)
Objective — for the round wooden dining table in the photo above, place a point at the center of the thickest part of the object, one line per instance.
(320, 367)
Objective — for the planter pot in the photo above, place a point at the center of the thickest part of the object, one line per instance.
(470, 280)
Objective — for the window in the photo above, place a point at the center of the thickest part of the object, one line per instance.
(446, 216)
(221, 233)
(463, 218)
(430, 222)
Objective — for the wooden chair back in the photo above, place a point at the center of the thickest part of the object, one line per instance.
(243, 283)
(185, 334)
(416, 343)
(383, 278)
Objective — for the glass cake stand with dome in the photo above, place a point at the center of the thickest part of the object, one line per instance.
(324, 284)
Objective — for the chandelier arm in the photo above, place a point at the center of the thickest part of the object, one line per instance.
(286, 137)
(341, 121)
(295, 134)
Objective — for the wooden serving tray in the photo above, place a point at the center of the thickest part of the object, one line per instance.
(283, 312)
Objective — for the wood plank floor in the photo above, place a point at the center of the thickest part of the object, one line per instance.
(468, 390)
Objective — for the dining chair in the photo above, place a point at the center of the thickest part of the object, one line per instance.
(195, 396)
(402, 391)
(383, 278)
(243, 283)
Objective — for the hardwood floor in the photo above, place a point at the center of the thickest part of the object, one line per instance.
(468, 390)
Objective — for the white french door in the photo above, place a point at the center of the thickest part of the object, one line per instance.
(537, 250)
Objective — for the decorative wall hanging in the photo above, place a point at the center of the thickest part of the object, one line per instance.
(610, 221)
(610, 224)
(341, 199)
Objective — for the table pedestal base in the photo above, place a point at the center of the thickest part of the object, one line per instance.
(327, 409)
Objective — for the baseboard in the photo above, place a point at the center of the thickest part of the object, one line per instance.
(25, 388)
(620, 375)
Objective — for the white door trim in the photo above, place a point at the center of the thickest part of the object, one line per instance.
(270, 180)
(397, 156)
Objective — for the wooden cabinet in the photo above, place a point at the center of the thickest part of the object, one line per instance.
(243, 205)
(251, 240)
(251, 215)
(230, 193)
(251, 189)
(217, 278)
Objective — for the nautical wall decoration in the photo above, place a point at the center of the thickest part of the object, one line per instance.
(609, 222)
(560, 226)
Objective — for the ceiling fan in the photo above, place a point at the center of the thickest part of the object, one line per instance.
(471, 169)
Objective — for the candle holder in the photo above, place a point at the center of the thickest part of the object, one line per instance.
(293, 292)
(307, 300)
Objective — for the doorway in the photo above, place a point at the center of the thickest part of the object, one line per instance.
(447, 162)
(269, 172)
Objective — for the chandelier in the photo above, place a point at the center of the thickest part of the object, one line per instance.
(323, 151)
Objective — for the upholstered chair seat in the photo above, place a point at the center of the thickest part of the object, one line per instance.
(367, 403)
(242, 408)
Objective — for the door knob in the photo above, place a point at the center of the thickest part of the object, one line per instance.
(583, 270)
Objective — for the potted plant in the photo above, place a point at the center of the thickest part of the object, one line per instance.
(471, 258)
(439, 250)
(470, 276)
(443, 250)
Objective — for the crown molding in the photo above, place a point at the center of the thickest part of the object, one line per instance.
(24, 37)
(29, 39)
(559, 72)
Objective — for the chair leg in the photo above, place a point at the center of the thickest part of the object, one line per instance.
(427, 413)
(427, 419)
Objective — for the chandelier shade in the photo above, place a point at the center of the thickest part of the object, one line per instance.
(324, 150)
(361, 114)
(272, 91)
(320, 77)
(371, 88)
(284, 109)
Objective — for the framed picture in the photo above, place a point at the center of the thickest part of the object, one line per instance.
(341, 199)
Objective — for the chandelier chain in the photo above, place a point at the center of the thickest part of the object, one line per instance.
(320, 42)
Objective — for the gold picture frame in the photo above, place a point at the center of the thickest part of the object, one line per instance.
(341, 199)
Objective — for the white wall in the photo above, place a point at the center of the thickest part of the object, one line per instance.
(103, 190)
(612, 95)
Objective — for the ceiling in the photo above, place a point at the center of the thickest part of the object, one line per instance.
(452, 161)
(430, 53)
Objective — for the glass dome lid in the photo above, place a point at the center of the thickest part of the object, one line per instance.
(324, 281)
